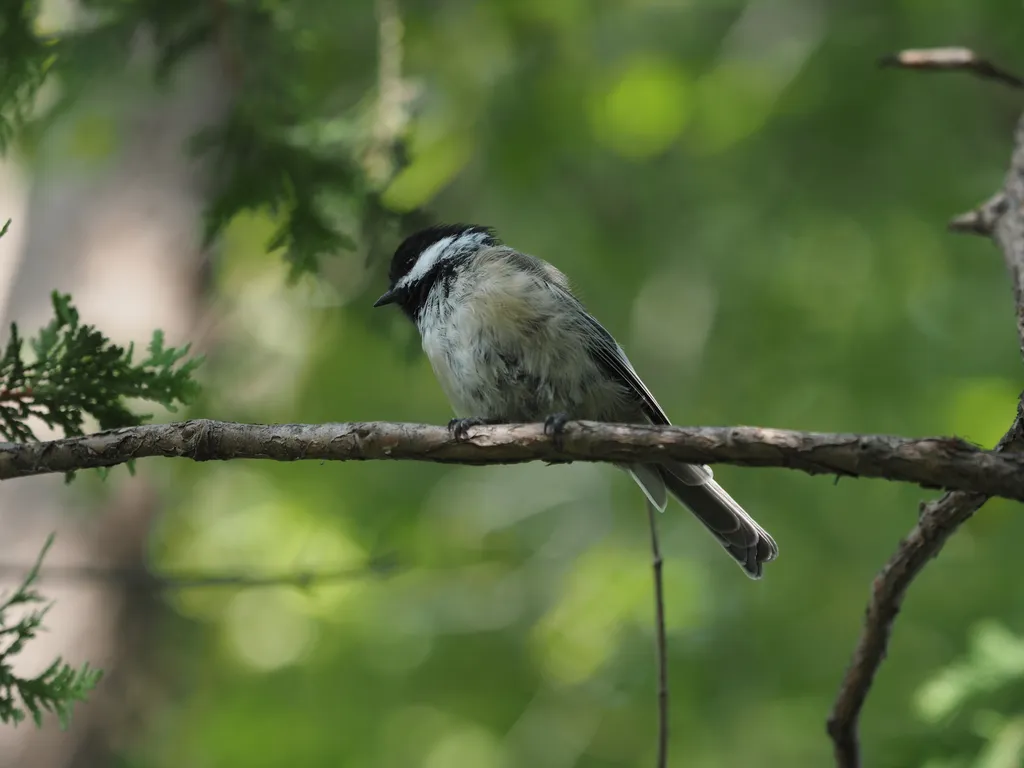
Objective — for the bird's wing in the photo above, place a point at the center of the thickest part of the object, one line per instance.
(613, 360)
(611, 357)
(603, 347)
(609, 354)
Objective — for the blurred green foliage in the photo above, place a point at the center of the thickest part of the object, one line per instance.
(24, 61)
(754, 209)
(274, 151)
(972, 702)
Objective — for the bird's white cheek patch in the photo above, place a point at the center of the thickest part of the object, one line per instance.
(426, 262)
(444, 249)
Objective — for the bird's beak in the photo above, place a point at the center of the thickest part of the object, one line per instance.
(389, 297)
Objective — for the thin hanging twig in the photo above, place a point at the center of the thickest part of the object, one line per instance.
(661, 645)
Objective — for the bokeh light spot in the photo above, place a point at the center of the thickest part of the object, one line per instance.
(643, 109)
(266, 629)
(978, 408)
(466, 747)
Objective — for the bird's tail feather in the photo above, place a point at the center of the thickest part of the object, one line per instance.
(749, 544)
(648, 477)
(694, 486)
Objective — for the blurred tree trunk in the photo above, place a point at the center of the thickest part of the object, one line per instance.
(121, 234)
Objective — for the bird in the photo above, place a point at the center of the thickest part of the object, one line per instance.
(509, 342)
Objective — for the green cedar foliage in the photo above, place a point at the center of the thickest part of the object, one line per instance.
(76, 372)
(55, 689)
(70, 372)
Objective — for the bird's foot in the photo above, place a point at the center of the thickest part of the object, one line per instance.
(459, 428)
(554, 427)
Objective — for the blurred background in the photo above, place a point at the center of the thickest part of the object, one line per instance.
(745, 199)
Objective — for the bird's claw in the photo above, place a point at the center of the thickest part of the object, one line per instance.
(554, 427)
(459, 428)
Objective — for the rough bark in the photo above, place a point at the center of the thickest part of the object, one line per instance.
(938, 462)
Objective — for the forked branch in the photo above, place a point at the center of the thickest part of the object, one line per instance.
(1002, 219)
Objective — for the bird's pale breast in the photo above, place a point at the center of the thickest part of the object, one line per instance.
(505, 349)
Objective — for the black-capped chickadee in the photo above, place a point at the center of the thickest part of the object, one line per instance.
(510, 343)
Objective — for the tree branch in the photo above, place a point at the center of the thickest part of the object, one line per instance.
(1008, 232)
(952, 59)
(938, 520)
(1001, 218)
(934, 462)
(982, 220)
(144, 579)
